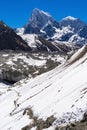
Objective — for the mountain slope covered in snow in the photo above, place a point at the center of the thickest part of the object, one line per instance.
(57, 97)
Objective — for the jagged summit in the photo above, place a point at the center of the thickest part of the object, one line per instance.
(40, 22)
(36, 11)
(39, 16)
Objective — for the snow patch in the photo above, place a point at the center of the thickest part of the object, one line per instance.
(69, 18)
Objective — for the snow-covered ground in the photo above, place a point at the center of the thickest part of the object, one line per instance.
(62, 92)
(30, 39)
(60, 32)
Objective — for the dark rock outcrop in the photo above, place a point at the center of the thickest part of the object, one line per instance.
(10, 40)
(61, 48)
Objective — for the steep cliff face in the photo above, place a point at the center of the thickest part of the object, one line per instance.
(41, 23)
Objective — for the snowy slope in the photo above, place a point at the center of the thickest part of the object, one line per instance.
(30, 39)
(61, 92)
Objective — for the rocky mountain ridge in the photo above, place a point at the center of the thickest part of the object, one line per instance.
(10, 40)
(70, 33)
(69, 30)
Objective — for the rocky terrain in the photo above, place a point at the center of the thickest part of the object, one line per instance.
(55, 100)
(15, 66)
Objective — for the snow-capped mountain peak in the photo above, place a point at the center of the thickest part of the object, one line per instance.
(69, 29)
(38, 18)
(69, 18)
(38, 21)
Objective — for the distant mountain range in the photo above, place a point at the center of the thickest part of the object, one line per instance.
(44, 33)
(69, 31)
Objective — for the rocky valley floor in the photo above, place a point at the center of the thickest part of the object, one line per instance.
(15, 66)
